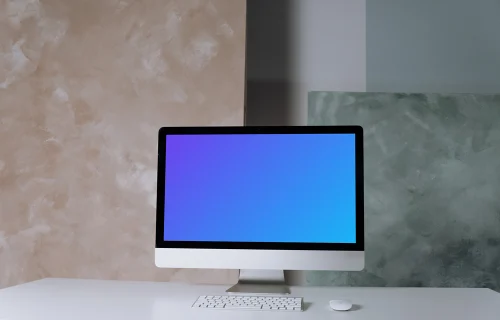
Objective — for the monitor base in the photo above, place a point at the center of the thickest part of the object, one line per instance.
(260, 282)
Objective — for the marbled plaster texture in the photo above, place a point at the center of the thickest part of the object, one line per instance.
(432, 187)
(84, 87)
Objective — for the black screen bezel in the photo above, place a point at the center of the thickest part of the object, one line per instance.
(356, 130)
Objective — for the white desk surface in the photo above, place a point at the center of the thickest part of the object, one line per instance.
(59, 299)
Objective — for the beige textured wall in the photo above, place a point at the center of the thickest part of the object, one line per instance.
(84, 86)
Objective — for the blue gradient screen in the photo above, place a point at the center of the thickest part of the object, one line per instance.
(260, 188)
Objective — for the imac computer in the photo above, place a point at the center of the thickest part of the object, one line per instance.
(262, 200)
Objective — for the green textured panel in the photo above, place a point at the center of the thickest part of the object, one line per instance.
(432, 187)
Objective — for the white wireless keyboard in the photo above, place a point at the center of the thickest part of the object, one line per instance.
(237, 302)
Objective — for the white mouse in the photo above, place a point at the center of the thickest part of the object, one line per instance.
(340, 305)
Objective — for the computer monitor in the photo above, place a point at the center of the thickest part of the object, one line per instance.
(260, 198)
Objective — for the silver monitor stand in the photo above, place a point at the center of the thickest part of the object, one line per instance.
(260, 282)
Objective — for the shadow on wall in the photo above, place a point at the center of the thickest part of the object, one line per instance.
(269, 89)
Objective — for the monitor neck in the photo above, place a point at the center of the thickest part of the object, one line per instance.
(261, 282)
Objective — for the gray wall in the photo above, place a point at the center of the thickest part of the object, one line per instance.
(446, 46)
(296, 46)
(432, 186)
